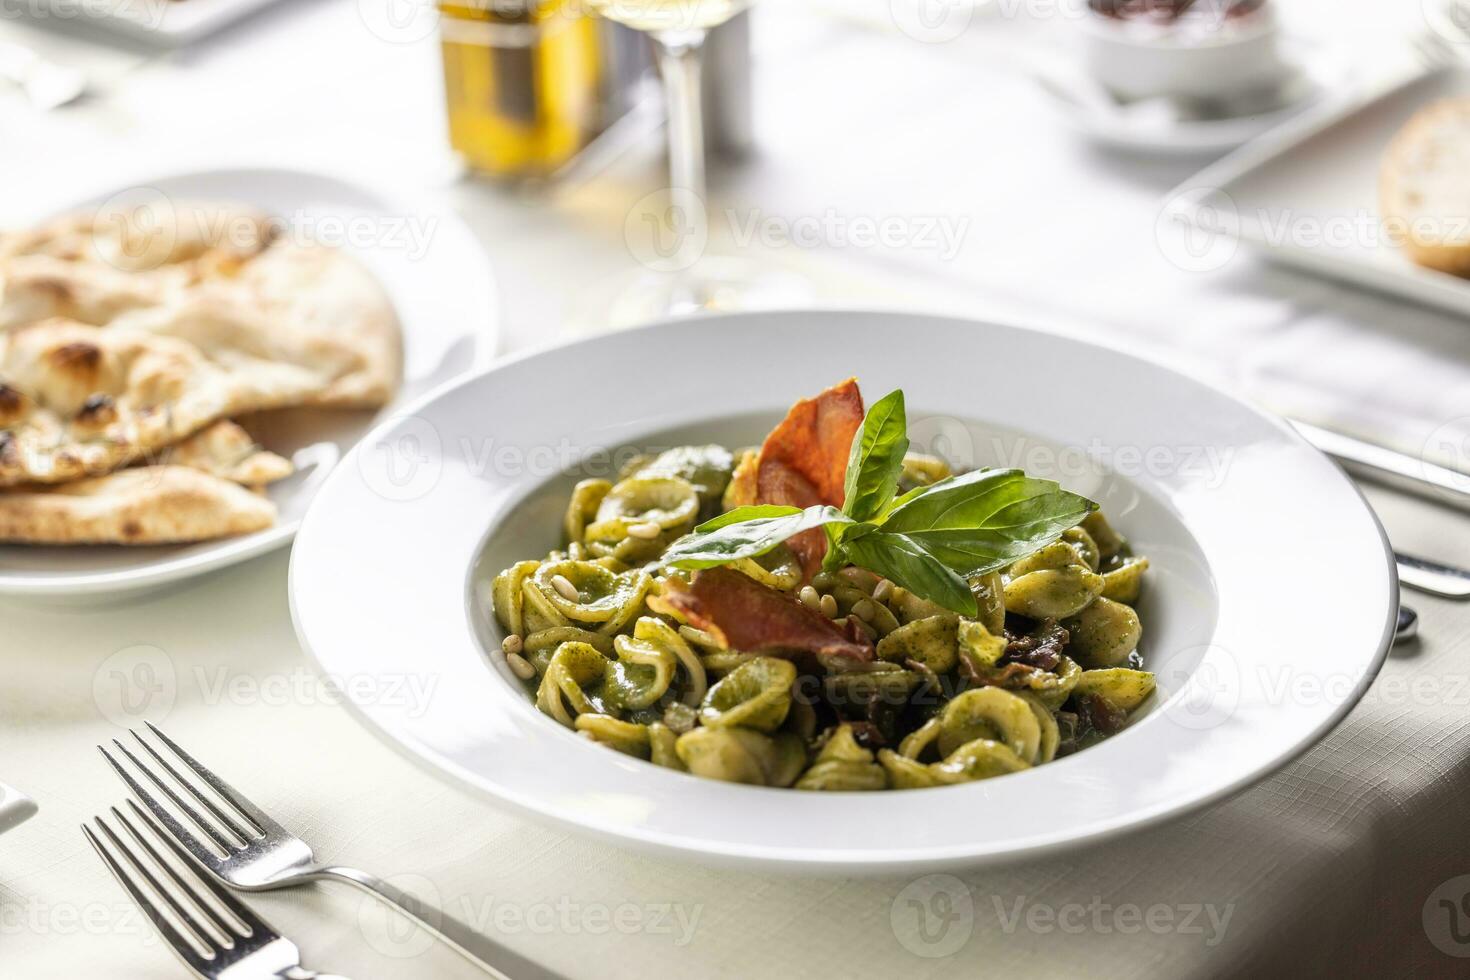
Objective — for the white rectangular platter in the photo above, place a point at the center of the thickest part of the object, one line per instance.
(1308, 195)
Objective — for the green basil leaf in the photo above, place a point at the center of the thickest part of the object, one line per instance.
(746, 532)
(876, 459)
(973, 552)
(748, 513)
(906, 562)
(994, 506)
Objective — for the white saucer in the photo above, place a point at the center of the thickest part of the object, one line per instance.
(1326, 75)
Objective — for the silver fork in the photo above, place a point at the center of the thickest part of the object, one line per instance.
(259, 854)
(214, 933)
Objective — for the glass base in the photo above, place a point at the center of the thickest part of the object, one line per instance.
(714, 285)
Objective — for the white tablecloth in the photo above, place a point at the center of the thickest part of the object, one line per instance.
(1336, 865)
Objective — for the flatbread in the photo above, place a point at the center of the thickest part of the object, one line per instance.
(144, 505)
(227, 451)
(169, 267)
(153, 234)
(296, 304)
(77, 400)
(41, 287)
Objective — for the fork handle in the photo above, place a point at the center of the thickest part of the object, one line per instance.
(498, 960)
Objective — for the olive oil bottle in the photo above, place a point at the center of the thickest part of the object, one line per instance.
(525, 83)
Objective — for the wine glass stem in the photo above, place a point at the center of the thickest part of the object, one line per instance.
(680, 56)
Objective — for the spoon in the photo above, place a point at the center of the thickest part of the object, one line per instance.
(1408, 625)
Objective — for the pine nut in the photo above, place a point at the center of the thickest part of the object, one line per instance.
(829, 607)
(520, 666)
(883, 591)
(680, 718)
(863, 609)
(646, 531)
(563, 585)
(809, 597)
(512, 644)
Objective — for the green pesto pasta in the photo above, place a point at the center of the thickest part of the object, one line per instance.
(859, 676)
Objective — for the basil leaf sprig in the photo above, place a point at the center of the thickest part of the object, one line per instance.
(929, 540)
(876, 460)
(747, 532)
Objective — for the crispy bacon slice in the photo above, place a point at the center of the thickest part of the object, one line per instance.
(754, 618)
(813, 442)
(804, 462)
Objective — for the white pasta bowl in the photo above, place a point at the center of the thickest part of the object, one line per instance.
(1269, 609)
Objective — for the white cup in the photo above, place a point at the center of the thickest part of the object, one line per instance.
(1198, 56)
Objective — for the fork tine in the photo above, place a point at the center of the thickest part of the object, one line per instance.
(264, 823)
(189, 838)
(253, 924)
(246, 831)
(221, 933)
(194, 949)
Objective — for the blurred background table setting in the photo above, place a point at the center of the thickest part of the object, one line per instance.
(521, 174)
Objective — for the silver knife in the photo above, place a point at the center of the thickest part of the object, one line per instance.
(1416, 476)
(1399, 470)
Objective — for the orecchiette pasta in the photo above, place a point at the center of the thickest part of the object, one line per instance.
(778, 568)
(705, 468)
(907, 694)
(1123, 687)
(1124, 583)
(990, 712)
(1052, 593)
(587, 496)
(740, 755)
(663, 747)
(563, 692)
(1105, 633)
(585, 592)
(843, 764)
(930, 642)
(756, 695)
(626, 737)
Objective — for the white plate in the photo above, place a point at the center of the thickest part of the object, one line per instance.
(1308, 197)
(446, 301)
(171, 22)
(1270, 607)
(1322, 73)
(15, 808)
